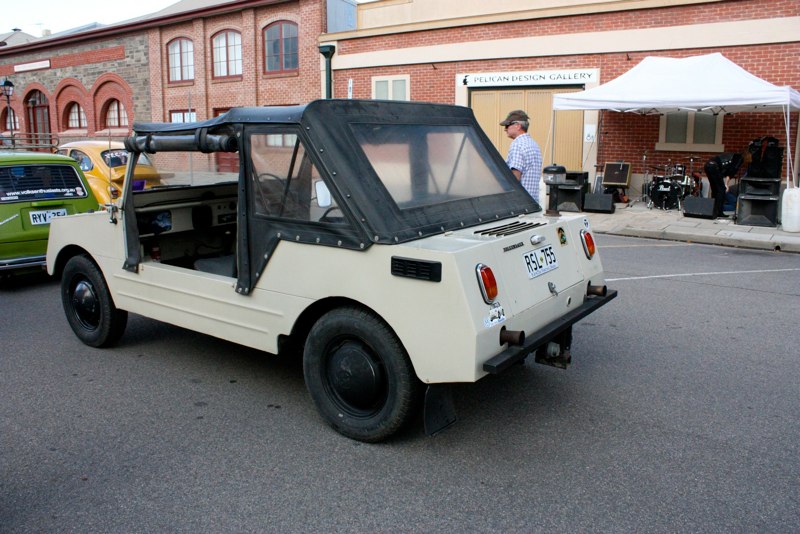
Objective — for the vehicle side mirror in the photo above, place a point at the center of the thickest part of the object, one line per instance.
(323, 194)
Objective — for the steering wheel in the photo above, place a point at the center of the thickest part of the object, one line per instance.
(325, 215)
(263, 175)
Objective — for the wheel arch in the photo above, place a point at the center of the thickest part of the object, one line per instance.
(309, 316)
(64, 255)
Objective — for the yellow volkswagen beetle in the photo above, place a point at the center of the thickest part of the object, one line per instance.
(104, 163)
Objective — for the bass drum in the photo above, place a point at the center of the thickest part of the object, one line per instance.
(665, 194)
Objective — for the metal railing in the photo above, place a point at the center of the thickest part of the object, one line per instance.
(38, 142)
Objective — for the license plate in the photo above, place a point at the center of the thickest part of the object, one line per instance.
(540, 261)
(45, 216)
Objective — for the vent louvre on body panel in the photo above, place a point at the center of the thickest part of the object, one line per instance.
(509, 229)
(417, 269)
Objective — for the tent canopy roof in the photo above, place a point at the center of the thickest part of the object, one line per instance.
(709, 83)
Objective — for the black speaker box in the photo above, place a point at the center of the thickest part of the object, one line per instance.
(598, 202)
(702, 208)
(750, 185)
(757, 211)
(570, 197)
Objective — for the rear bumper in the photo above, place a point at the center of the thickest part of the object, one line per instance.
(22, 263)
(512, 355)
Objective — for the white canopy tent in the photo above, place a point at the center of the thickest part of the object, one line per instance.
(708, 84)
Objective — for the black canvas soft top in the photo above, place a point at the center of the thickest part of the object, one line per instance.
(242, 115)
(327, 126)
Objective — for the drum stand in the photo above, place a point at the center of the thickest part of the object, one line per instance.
(645, 192)
(645, 197)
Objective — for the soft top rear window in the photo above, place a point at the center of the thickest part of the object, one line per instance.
(20, 183)
(422, 164)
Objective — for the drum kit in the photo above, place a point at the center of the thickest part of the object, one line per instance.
(667, 189)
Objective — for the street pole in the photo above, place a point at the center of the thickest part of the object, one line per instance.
(8, 90)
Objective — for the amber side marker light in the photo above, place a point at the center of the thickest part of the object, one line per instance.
(487, 282)
(588, 244)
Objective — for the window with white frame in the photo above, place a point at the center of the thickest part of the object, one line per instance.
(690, 131)
(116, 116)
(227, 50)
(182, 116)
(77, 117)
(391, 87)
(180, 56)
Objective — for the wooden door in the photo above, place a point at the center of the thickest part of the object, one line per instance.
(492, 106)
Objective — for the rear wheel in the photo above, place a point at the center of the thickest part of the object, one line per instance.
(88, 304)
(359, 375)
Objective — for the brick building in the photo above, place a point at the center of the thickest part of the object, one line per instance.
(508, 54)
(191, 60)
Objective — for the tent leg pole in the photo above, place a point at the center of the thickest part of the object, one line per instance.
(553, 144)
(793, 176)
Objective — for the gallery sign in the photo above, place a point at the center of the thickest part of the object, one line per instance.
(537, 77)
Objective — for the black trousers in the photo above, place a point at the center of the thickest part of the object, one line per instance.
(717, 182)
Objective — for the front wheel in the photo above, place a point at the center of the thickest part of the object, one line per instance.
(88, 304)
(359, 375)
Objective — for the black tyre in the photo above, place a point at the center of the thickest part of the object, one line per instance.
(359, 375)
(88, 304)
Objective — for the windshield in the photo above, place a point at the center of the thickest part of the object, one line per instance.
(422, 165)
(39, 182)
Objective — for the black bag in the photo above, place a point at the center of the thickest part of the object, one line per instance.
(766, 158)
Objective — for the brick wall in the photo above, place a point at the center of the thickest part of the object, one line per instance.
(254, 87)
(89, 74)
(133, 69)
(622, 20)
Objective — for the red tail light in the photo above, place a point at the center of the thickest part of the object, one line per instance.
(487, 282)
(588, 244)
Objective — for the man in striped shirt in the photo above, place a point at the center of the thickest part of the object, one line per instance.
(524, 157)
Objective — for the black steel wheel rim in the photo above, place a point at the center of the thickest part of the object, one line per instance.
(85, 304)
(354, 377)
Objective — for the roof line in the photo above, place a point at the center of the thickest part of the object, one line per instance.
(136, 24)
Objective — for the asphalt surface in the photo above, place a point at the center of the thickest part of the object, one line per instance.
(679, 414)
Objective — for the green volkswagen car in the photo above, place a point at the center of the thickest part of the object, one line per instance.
(34, 188)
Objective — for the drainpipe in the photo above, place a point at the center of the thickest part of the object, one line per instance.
(327, 52)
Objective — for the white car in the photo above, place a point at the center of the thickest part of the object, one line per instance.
(385, 242)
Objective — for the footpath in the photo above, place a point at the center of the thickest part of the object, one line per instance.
(636, 220)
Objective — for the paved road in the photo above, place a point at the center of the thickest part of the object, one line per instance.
(679, 414)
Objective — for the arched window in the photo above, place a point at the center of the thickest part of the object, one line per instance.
(227, 47)
(37, 108)
(180, 56)
(280, 47)
(76, 117)
(116, 117)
